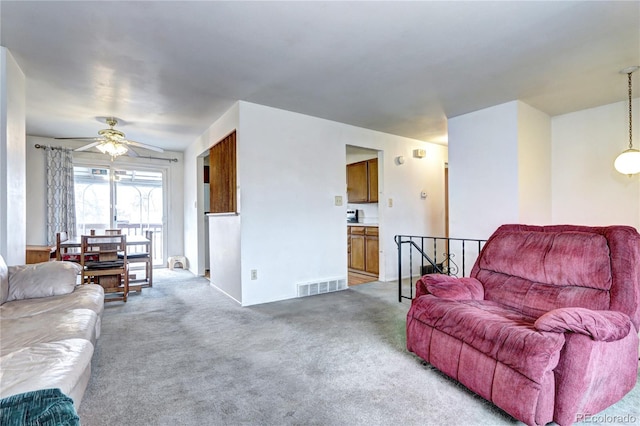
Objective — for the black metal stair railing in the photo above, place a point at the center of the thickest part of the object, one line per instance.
(437, 255)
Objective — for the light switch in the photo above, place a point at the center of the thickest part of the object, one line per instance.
(390, 202)
(338, 200)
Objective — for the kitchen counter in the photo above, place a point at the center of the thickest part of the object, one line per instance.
(361, 224)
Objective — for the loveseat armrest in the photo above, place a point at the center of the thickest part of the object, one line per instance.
(605, 326)
(448, 287)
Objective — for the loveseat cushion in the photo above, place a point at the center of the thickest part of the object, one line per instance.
(42, 280)
(605, 326)
(495, 330)
(534, 272)
(448, 287)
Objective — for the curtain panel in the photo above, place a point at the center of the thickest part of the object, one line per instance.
(61, 206)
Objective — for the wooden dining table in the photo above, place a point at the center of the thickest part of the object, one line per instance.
(132, 240)
(135, 244)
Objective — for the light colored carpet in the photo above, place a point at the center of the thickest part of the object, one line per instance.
(181, 353)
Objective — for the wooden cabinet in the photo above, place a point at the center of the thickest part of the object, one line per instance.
(363, 249)
(357, 186)
(37, 254)
(362, 181)
(372, 180)
(222, 176)
(371, 256)
(357, 258)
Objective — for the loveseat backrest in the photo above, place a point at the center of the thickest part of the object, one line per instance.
(535, 269)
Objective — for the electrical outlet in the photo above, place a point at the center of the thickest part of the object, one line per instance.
(254, 274)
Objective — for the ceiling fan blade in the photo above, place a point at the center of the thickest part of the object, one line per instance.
(75, 139)
(145, 146)
(88, 146)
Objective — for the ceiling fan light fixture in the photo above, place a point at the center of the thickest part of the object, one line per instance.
(628, 162)
(114, 149)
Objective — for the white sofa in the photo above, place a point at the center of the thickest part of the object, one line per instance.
(48, 328)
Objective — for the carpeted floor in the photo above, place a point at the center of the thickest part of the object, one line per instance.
(182, 353)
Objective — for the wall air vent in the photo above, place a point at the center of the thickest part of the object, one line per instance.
(320, 287)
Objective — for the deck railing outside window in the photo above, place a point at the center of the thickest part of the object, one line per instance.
(131, 229)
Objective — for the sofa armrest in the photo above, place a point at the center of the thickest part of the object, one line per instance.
(448, 287)
(605, 326)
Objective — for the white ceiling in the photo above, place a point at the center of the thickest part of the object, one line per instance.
(170, 69)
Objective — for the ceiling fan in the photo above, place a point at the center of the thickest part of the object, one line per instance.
(113, 142)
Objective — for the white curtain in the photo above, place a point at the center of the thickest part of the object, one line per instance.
(61, 206)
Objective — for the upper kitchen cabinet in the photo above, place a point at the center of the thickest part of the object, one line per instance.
(362, 181)
(372, 180)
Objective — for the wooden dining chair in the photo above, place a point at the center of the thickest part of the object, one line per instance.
(111, 269)
(145, 257)
(62, 252)
(69, 254)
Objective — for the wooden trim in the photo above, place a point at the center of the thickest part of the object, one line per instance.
(223, 176)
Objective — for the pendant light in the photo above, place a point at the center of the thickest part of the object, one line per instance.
(628, 162)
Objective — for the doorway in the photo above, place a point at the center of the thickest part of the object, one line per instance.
(363, 237)
(131, 199)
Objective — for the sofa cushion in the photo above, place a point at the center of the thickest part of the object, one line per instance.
(59, 364)
(88, 296)
(4, 281)
(501, 333)
(19, 333)
(42, 280)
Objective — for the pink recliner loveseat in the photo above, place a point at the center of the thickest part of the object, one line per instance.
(545, 327)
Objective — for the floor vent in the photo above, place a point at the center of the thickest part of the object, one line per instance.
(311, 289)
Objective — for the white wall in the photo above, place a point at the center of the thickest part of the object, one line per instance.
(586, 188)
(225, 254)
(555, 170)
(483, 171)
(36, 182)
(534, 165)
(194, 207)
(12, 160)
(291, 166)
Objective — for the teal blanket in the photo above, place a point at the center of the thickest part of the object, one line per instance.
(47, 407)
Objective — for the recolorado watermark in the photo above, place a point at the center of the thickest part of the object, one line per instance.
(607, 418)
